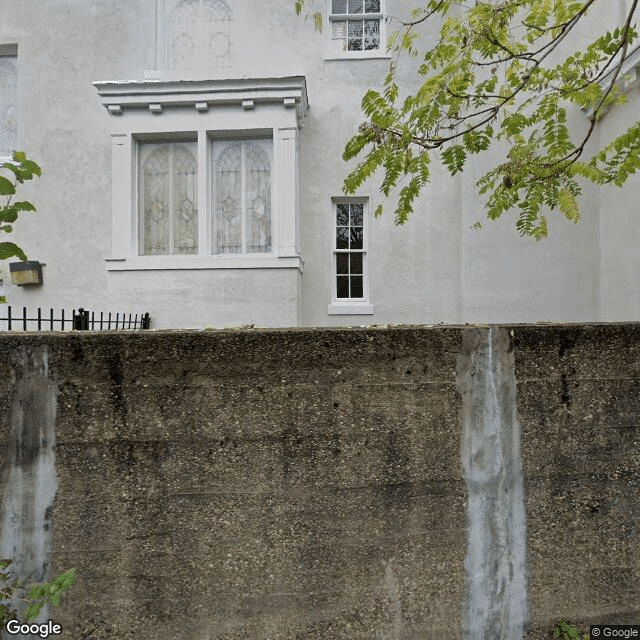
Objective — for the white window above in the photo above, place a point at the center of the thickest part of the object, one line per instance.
(356, 28)
(8, 100)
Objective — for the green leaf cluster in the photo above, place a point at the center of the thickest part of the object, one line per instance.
(36, 597)
(495, 74)
(566, 631)
(22, 169)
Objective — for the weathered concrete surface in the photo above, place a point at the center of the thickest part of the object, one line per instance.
(496, 606)
(309, 484)
(579, 410)
(29, 477)
(264, 485)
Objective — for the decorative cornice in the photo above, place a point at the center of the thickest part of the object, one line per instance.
(160, 95)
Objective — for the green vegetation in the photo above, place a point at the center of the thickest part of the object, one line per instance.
(502, 75)
(22, 169)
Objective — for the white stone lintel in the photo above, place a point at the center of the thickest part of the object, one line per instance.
(290, 91)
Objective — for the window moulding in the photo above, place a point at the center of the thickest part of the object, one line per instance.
(204, 111)
(202, 95)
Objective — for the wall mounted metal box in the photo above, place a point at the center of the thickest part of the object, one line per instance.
(26, 273)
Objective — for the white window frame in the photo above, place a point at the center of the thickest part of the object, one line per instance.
(332, 53)
(11, 51)
(350, 306)
(151, 111)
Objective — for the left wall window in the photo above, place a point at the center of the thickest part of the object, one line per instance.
(168, 198)
(8, 101)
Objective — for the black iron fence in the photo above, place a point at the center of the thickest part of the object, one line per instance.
(80, 320)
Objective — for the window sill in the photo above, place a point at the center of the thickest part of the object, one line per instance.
(349, 308)
(171, 263)
(357, 55)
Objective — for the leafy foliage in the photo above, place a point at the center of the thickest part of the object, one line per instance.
(565, 631)
(496, 75)
(36, 597)
(22, 169)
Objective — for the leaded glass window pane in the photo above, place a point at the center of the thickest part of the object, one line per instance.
(228, 205)
(169, 196)
(372, 6)
(242, 186)
(8, 108)
(355, 6)
(198, 34)
(258, 200)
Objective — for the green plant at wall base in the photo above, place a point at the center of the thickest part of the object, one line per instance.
(22, 169)
(565, 631)
(36, 596)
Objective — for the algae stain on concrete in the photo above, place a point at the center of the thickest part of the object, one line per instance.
(496, 593)
(29, 481)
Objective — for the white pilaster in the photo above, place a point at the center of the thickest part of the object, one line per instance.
(286, 148)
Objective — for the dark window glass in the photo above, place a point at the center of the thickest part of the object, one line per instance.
(356, 238)
(356, 215)
(356, 263)
(372, 6)
(342, 238)
(343, 286)
(343, 215)
(356, 286)
(342, 263)
(355, 6)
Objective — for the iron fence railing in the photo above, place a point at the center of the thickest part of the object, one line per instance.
(80, 320)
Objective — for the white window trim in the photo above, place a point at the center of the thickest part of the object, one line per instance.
(350, 306)
(205, 110)
(11, 51)
(381, 53)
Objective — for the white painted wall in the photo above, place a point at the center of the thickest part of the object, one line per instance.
(434, 269)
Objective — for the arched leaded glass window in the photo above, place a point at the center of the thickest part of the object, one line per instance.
(8, 108)
(198, 35)
(168, 198)
(242, 185)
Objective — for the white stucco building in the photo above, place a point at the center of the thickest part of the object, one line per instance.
(191, 156)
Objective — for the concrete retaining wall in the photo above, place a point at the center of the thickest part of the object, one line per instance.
(324, 484)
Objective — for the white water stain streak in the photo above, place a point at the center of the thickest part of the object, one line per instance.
(29, 480)
(496, 592)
